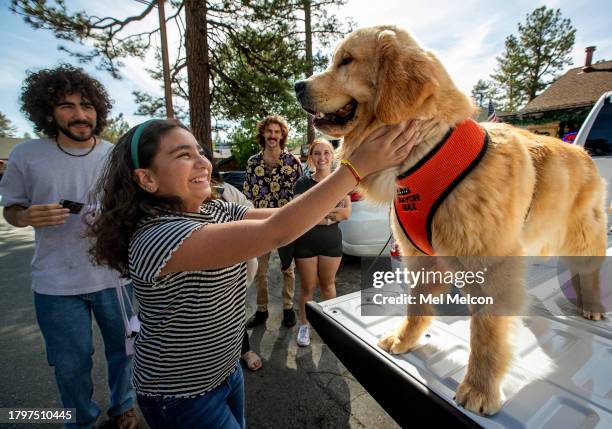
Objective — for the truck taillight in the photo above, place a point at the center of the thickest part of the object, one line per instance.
(355, 196)
(395, 252)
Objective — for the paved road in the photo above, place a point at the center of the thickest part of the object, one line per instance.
(297, 387)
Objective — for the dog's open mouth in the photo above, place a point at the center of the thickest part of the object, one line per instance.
(339, 117)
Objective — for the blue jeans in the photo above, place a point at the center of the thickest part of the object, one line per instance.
(65, 322)
(221, 408)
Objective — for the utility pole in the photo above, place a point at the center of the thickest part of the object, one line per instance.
(165, 61)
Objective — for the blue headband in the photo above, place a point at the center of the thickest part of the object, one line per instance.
(136, 140)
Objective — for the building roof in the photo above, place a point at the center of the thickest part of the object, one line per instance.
(574, 89)
(7, 144)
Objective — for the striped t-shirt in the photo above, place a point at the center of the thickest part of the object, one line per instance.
(192, 321)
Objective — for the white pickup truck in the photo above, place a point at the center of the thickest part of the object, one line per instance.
(561, 376)
(595, 135)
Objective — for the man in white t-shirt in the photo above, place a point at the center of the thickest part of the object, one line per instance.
(71, 108)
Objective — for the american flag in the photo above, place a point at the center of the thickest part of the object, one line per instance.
(491, 115)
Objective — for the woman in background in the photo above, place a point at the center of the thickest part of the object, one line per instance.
(318, 252)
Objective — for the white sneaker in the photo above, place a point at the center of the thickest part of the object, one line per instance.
(303, 336)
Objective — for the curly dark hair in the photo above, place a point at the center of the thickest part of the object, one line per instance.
(43, 90)
(122, 202)
(272, 119)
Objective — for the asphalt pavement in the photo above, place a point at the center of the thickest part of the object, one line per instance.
(298, 387)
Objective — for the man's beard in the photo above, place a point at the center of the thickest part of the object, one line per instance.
(69, 134)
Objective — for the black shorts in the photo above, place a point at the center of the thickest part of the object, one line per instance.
(322, 240)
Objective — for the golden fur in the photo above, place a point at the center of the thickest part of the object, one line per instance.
(530, 194)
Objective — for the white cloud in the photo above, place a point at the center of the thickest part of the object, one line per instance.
(468, 35)
(471, 56)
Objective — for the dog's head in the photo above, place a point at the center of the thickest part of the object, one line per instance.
(376, 73)
(377, 76)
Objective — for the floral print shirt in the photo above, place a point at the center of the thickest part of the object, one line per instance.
(271, 187)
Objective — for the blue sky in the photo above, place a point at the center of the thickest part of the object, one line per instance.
(467, 36)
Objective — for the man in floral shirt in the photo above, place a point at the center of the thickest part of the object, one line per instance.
(270, 177)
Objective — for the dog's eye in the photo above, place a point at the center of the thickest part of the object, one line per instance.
(346, 61)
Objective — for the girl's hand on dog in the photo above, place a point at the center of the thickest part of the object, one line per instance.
(386, 147)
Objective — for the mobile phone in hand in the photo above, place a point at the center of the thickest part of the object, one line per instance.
(72, 206)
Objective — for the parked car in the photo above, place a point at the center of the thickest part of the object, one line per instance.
(595, 135)
(235, 178)
(366, 232)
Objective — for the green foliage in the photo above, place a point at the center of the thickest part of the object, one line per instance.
(115, 128)
(293, 143)
(103, 35)
(534, 58)
(485, 90)
(509, 75)
(155, 107)
(243, 143)
(546, 41)
(6, 127)
(577, 116)
(254, 77)
(256, 49)
(255, 61)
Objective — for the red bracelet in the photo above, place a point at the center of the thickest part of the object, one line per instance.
(352, 169)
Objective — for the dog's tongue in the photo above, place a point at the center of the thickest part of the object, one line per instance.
(342, 111)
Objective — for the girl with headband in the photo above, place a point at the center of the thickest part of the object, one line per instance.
(185, 253)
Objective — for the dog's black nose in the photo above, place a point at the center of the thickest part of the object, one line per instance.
(300, 87)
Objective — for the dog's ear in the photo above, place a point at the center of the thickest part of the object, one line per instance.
(405, 79)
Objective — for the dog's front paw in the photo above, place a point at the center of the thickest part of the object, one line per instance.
(593, 315)
(395, 344)
(593, 310)
(479, 401)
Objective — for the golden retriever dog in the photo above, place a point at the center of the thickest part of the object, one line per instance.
(528, 195)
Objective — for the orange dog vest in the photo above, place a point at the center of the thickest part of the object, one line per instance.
(422, 188)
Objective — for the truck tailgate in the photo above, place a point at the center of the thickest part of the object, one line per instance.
(561, 376)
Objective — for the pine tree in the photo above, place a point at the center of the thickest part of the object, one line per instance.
(546, 41)
(534, 58)
(115, 128)
(485, 90)
(320, 26)
(509, 75)
(6, 127)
